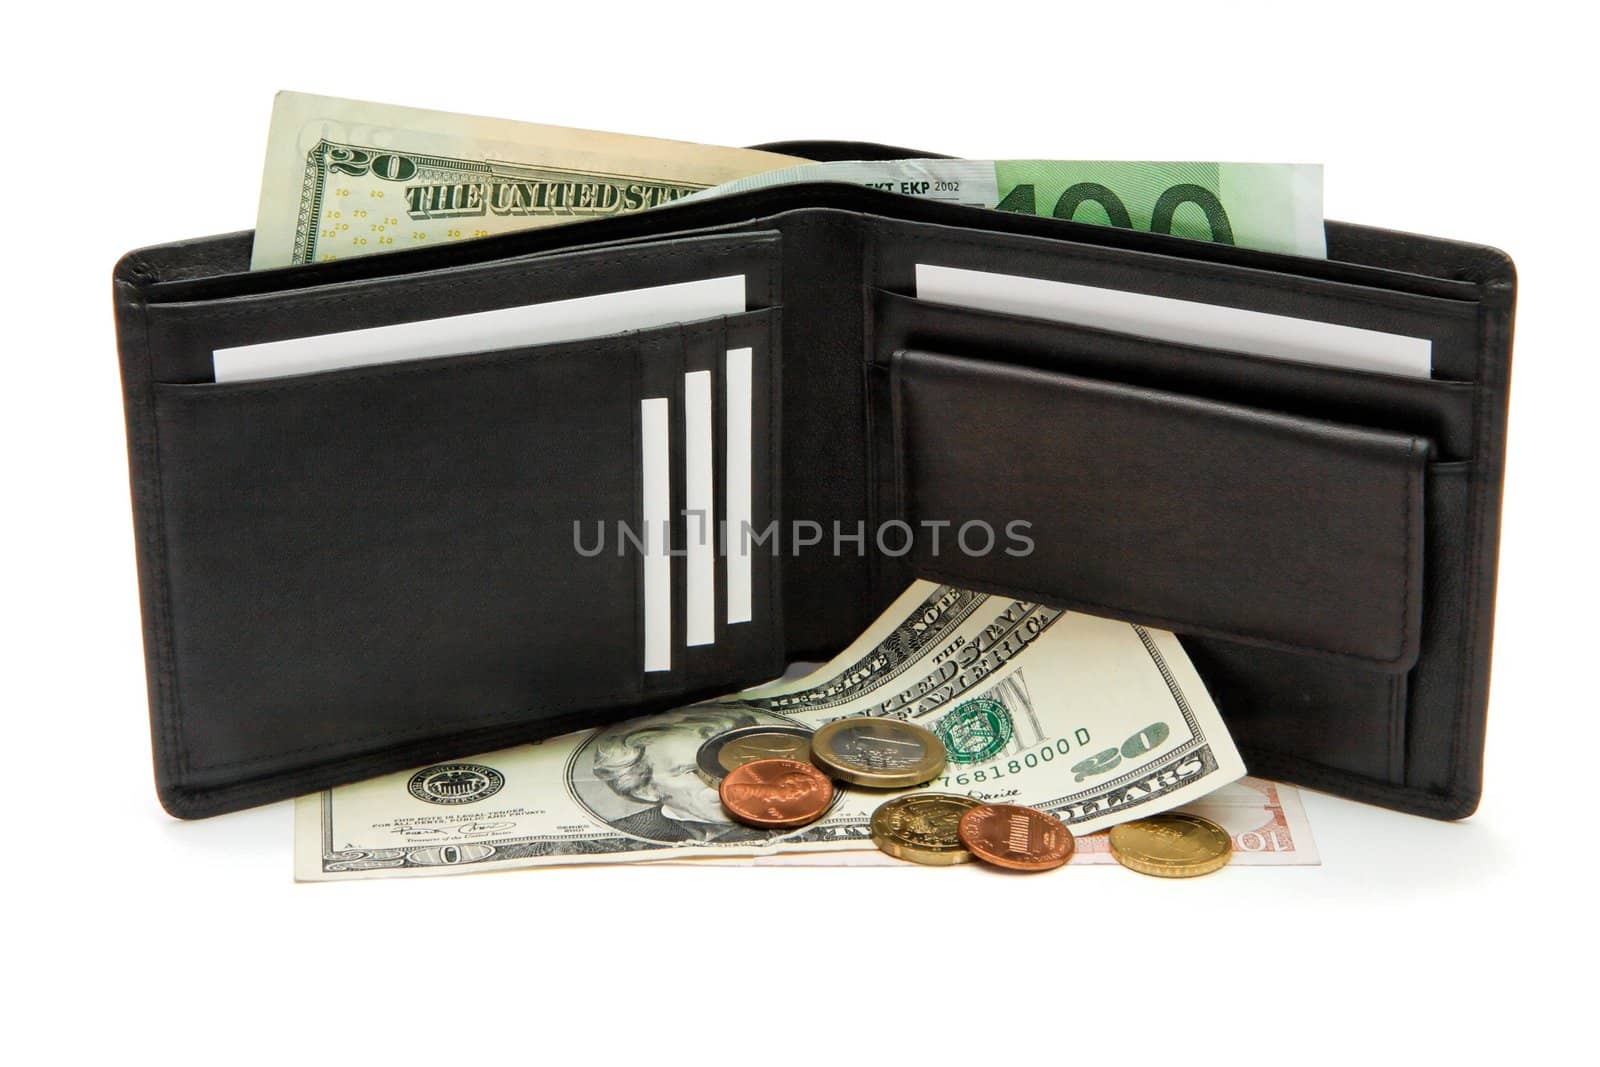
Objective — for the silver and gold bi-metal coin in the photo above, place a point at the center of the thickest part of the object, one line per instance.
(878, 753)
(733, 749)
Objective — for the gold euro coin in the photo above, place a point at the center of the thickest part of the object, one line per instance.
(1171, 845)
(878, 753)
(922, 828)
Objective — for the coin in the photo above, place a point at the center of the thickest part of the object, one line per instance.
(1171, 845)
(776, 793)
(922, 828)
(735, 748)
(1021, 839)
(880, 753)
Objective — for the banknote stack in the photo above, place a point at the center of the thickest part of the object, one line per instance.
(349, 178)
(958, 726)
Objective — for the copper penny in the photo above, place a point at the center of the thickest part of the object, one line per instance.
(776, 793)
(1021, 839)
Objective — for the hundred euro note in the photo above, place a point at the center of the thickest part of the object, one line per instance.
(349, 178)
(1276, 207)
(1094, 720)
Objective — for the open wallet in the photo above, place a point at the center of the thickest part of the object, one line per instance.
(353, 567)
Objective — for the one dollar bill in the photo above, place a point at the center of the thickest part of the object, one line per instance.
(1094, 720)
(1275, 207)
(350, 178)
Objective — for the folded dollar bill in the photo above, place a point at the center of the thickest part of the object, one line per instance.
(1093, 720)
(1276, 207)
(350, 178)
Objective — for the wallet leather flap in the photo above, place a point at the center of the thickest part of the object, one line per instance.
(1177, 511)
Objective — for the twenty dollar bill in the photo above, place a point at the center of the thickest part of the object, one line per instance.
(349, 178)
(1094, 720)
(1276, 207)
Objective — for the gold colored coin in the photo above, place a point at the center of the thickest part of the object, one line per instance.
(1171, 845)
(922, 828)
(878, 753)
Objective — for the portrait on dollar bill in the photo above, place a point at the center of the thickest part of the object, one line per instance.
(642, 779)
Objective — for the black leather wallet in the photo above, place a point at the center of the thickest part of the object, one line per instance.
(350, 572)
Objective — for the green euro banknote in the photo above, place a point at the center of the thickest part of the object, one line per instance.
(1275, 207)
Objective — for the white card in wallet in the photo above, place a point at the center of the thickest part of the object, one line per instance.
(484, 331)
(1192, 322)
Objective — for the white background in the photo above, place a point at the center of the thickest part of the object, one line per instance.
(129, 932)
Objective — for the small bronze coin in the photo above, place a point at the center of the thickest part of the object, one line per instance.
(878, 753)
(1171, 845)
(776, 794)
(922, 828)
(1018, 838)
(735, 748)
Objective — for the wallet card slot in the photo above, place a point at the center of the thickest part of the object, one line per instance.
(700, 509)
(655, 496)
(736, 400)
(1437, 690)
(370, 557)
(367, 557)
(1304, 716)
(737, 579)
(1192, 515)
(1438, 409)
(658, 538)
(183, 335)
(1447, 326)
